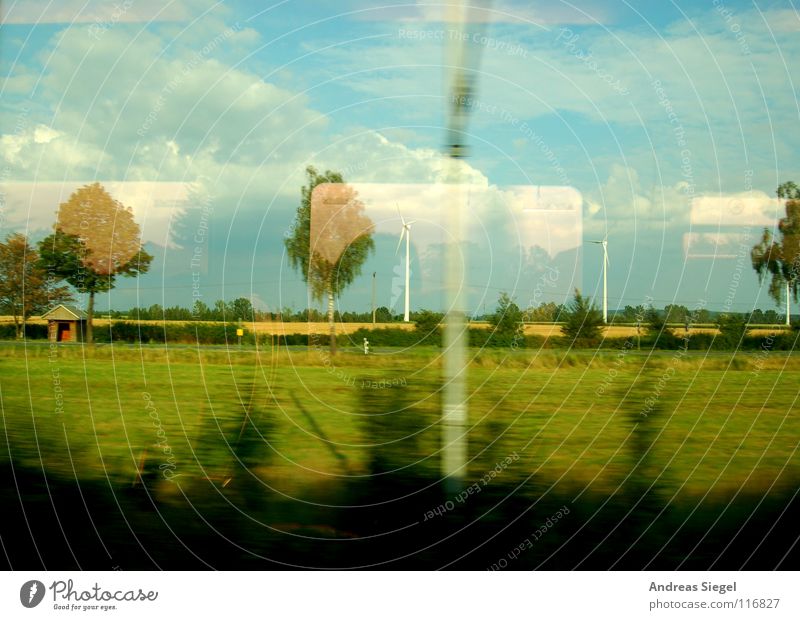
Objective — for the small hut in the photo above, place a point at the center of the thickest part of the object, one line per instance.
(65, 324)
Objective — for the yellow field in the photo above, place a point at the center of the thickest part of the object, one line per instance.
(543, 330)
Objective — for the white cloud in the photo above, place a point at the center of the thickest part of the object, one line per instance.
(738, 209)
(540, 12)
(494, 217)
(622, 205)
(43, 134)
(41, 150)
(91, 11)
(33, 205)
(144, 118)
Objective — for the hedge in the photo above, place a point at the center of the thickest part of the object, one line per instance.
(196, 332)
(8, 331)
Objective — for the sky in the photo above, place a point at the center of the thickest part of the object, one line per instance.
(664, 127)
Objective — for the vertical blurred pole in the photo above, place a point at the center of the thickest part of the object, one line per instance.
(461, 66)
(454, 414)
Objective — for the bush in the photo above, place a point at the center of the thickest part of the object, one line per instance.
(658, 334)
(783, 341)
(160, 333)
(701, 341)
(386, 337)
(33, 331)
(428, 327)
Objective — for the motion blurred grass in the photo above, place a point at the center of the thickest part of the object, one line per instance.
(721, 424)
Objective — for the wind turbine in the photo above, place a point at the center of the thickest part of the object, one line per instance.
(604, 243)
(407, 232)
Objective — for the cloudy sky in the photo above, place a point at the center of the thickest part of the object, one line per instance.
(665, 126)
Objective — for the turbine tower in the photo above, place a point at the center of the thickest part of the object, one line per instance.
(788, 306)
(604, 243)
(407, 232)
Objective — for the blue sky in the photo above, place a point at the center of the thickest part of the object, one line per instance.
(674, 121)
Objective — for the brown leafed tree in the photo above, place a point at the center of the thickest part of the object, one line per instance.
(95, 240)
(25, 287)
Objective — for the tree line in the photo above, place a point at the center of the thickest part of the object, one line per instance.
(95, 239)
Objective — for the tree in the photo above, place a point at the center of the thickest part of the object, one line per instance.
(732, 329)
(26, 288)
(96, 239)
(545, 312)
(383, 315)
(771, 317)
(331, 238)
(240, 309)
(583, 322)
(676, 313)
(781, 260)
(200, 310)
(507, 322)
(756, 317)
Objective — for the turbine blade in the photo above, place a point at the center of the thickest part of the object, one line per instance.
(400, 241)
(400, 214)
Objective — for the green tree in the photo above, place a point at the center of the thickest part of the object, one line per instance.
(383, 315)
(331, 238)
(655, 321)
(545, 312)
(240, 309)
(25, 287)
(200, 311)
(219, 310)
(632, 314)
(676, 313)
(156, 312)
(507, 326)
(582, 321)
(771, 317)
(781, 260)
(732, 329)
(96, 239)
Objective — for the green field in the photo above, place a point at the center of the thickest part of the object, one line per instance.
(181, 457)
(719, 424)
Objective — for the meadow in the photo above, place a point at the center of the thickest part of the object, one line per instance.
(280, 455)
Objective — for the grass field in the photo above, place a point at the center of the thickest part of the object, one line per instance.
(194, 423)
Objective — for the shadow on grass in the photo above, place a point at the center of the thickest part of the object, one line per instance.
(58, 524)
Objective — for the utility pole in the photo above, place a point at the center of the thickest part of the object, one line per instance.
(604, 243)
(373, 298)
